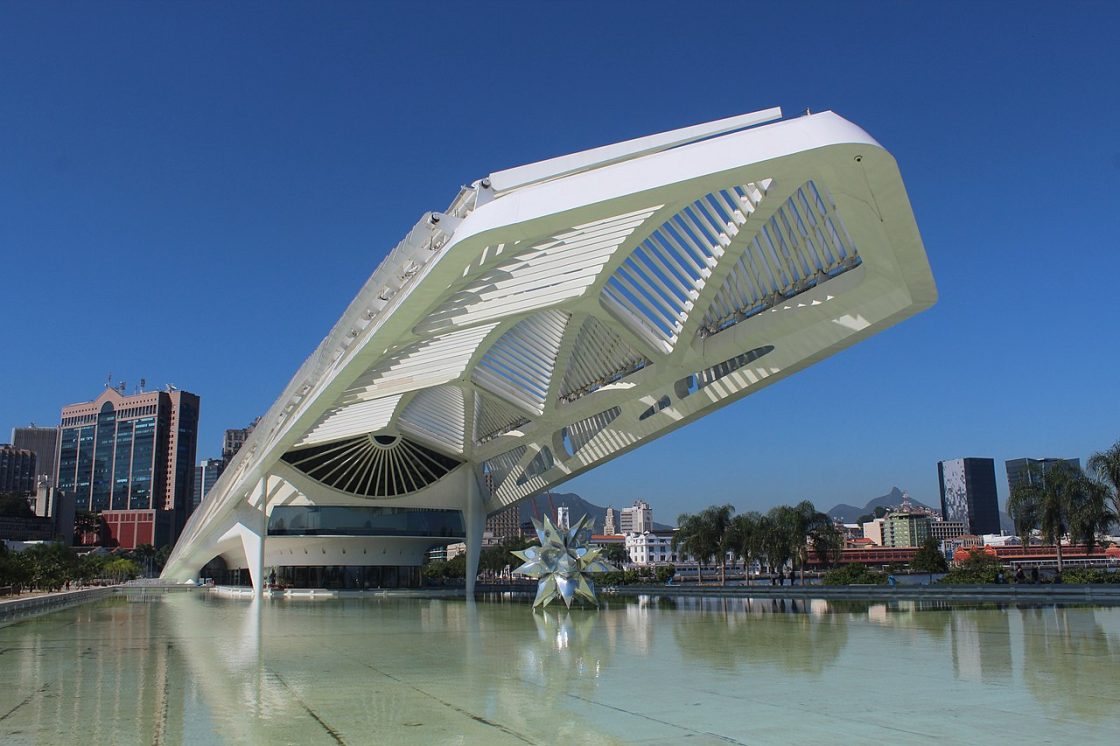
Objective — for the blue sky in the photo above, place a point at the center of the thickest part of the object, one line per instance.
(192, 192)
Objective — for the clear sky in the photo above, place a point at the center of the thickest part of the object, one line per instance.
(192, 193)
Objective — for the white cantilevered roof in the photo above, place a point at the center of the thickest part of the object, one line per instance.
(558, 314)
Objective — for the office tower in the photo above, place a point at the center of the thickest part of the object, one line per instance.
(131, 459)
(563, 518)
(968, 493)
(610, 526)
(205, 475)
(636, 519)
(505, 524)
(43, 442)
(1027, 470)
(17, 470)
(234, 439)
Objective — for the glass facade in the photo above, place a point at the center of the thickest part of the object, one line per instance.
(143, 450)
(85, 460)
(335, 577)
(338, 520)
(103, 458)
(122, 467)
(67, 459)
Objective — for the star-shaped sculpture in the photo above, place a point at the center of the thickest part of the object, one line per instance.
(563, 563)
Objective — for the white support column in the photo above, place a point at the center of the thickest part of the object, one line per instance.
(253, 521)
(475, 516)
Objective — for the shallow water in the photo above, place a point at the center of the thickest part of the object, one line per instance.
(190, 669)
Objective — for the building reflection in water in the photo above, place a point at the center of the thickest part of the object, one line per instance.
(1070, 661)
(194, 669)
(802, 636)
(982, 645)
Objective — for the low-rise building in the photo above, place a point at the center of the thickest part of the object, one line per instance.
(905, 530)
(945, 530)
(653, 548)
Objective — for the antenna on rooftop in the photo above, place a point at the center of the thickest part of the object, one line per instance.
(122, 386)
(143, 383)
(109, 380)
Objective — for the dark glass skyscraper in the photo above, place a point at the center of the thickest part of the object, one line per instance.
(968, 493)
(1027, 470)
(122, 454)
(43, 442)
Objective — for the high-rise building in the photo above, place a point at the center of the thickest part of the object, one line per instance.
(636, 519)
(131, 459)
(968, 493)
(610, 524)
(205, 475)
(43, 442)
(17, 470)
(1027, 470)
(505, 524)
(563, 518)
(234, 439)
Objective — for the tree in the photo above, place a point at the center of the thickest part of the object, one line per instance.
(1105, 466)
(776, 528)
(694, 536)
(808, 530)
(86, 522)
(929, 558)
(717, 521)
(1024, 506)
(616, 554)
(1057, 500)
(746, 539)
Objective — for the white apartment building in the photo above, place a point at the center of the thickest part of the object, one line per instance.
(637, 519)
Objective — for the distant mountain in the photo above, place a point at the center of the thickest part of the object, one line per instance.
(849, 513)
(576, 505)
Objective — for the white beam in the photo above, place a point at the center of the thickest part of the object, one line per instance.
(532, 173)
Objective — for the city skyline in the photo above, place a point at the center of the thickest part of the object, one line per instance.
(306, 207)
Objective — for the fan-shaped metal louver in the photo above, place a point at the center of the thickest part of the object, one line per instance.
(373, 465)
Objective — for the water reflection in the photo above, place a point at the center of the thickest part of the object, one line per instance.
(1068, 656)
(187, 669)
(788, 634)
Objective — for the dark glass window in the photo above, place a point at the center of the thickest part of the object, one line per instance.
(338, 520)
(85, 466)
(103, 457)
(122, 469)
(67, 458)
(143, 447)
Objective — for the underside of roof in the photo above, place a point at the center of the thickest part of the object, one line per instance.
(558, 315)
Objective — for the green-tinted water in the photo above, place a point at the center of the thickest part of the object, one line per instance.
(187, 669)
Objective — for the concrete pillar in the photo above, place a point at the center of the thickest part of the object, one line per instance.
(475, 515)
(253, 524)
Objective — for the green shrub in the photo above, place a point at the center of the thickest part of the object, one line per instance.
(1089, 576)
(980, 567)
(853, 574)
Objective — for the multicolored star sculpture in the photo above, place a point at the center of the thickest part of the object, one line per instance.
(563, 562)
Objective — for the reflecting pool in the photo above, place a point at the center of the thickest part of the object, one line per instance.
(187, 668)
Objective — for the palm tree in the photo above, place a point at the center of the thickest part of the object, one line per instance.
(1024, 506)
(693, 536)
(717, 523)
(777, 528)
(1105, 466)
(1060, 500)
(810, 529)
(746, 539)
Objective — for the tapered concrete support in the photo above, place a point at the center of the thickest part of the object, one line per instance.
(475, 516)
(252, 520)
